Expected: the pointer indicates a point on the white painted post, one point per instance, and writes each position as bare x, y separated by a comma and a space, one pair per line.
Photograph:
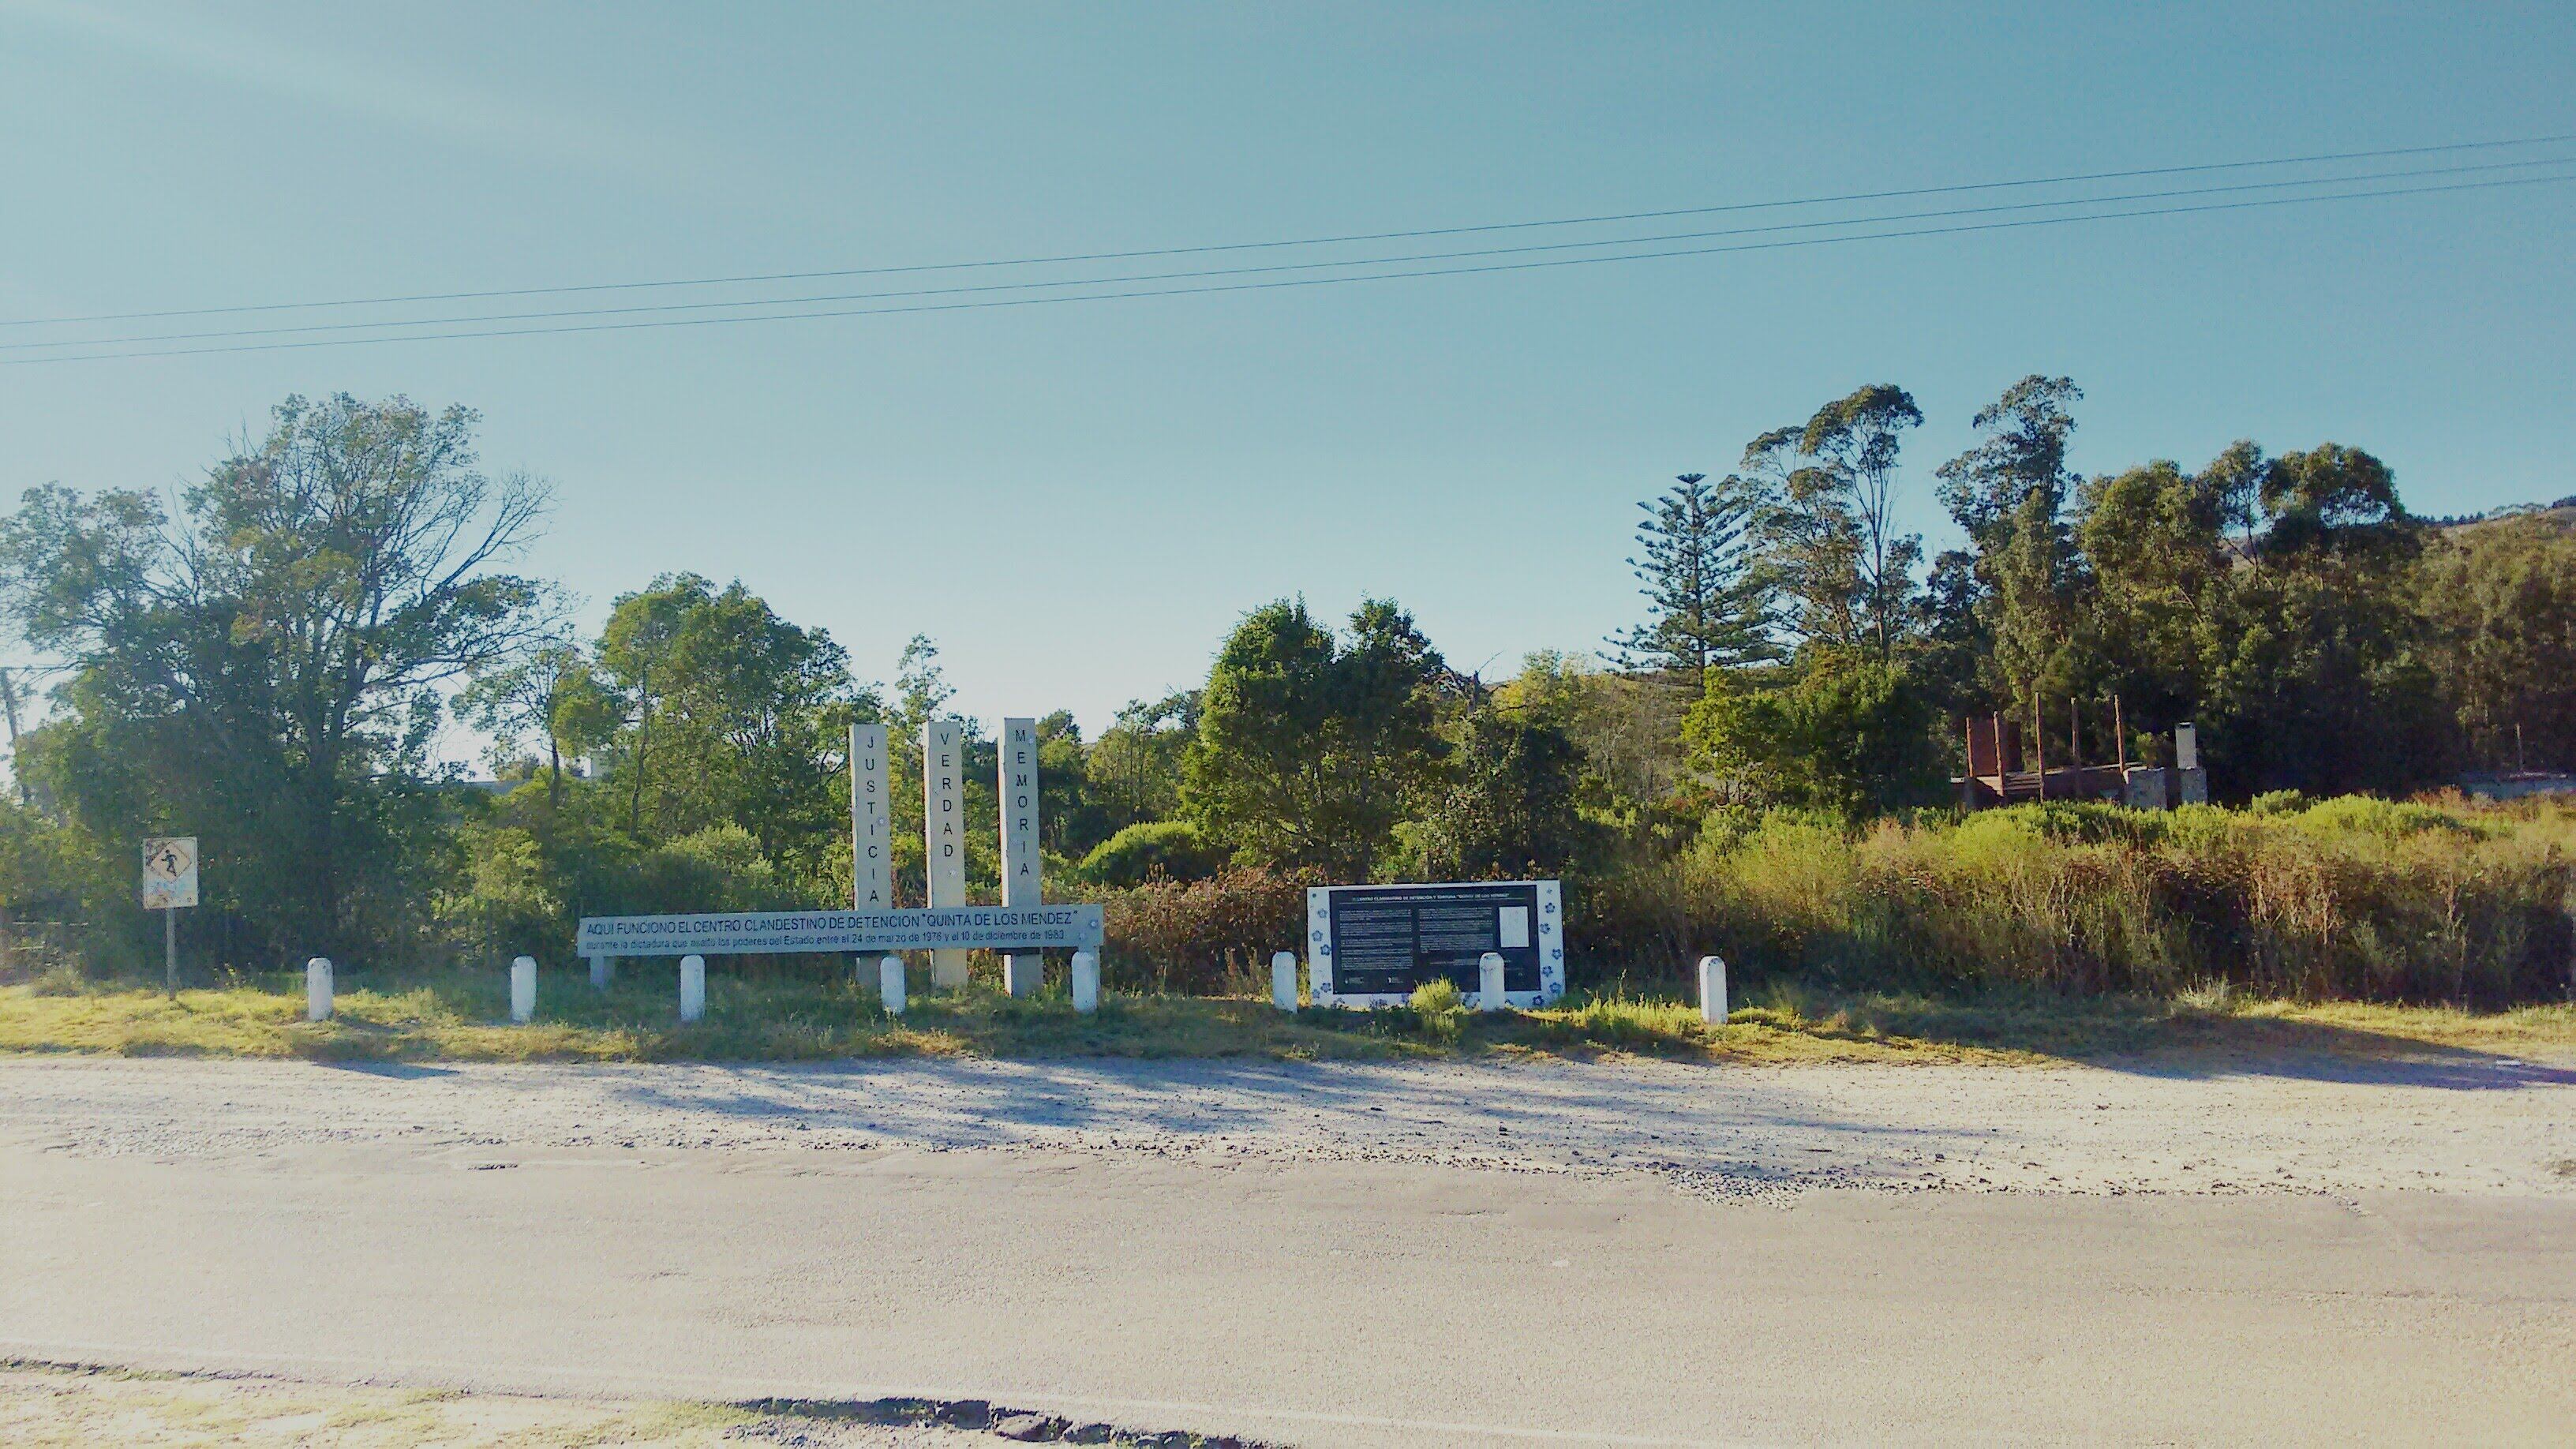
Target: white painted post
1712, 990
1283, 980
317, 989
1017, 790
523, 989
943, 832
1489, 981
601, 967
693, 987
890, 984
1086, 981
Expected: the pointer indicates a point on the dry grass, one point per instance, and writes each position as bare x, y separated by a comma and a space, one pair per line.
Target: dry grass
462, 1016
44, 1405
2351, 899
56, 1406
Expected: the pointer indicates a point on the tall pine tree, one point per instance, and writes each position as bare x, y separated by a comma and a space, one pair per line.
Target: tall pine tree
1708, 598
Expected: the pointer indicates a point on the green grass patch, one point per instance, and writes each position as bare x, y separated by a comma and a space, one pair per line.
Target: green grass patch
463, 1016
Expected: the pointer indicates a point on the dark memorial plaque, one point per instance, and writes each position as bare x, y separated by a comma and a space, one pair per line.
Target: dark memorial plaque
1375, 944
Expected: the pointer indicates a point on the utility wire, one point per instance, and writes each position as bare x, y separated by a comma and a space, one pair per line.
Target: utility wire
1272, 268
748, 278
1279, 283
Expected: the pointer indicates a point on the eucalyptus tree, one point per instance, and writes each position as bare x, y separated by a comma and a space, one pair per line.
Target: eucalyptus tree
1829, 536
1851, 447
2026, 578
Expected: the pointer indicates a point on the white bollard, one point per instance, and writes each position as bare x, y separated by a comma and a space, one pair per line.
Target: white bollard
1283, 980
1086, 981
1022, 972
523, 989
890, 984
1712, 990
1489, 982
693, 987
601, 968
317, 989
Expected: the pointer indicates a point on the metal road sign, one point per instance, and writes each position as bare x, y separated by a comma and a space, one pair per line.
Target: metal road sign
169, 872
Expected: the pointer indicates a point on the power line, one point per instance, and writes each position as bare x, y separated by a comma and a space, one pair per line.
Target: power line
2318, 158
1342, 263
1280, 283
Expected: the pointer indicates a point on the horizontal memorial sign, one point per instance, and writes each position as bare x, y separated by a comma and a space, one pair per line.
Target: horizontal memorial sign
751, 933
1371, 945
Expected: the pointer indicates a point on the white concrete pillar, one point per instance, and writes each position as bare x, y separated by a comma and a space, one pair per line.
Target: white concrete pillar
1017, 789
601, 969
943, 832
317, 989
890, 984
1283, 980
871, 843
1712, 990
523, 989
1489, 981
1086, 981
693, 987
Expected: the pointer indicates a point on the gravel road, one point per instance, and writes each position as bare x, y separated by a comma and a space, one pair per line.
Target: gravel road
2282, 1250
2453, 1123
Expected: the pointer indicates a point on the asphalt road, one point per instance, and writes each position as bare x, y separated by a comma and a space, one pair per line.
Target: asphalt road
1303, 1300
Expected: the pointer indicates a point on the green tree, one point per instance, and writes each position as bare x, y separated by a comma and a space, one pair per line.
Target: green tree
1853, 443
1070, 820
1310, 749
2025, 584
1708, 601
2320, 680
1848, 735
2165, 550
1511, 808
2501, 599
1135, 767
2270, 601
531, 695
743, 717
1628, 730
264, 669
1811, 544
633, 653
1830, 540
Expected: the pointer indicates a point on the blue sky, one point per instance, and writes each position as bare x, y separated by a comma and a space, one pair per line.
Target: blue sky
1077, 501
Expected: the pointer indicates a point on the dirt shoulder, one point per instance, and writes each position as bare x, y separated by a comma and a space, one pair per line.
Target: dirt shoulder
2279, 1122
75, 1405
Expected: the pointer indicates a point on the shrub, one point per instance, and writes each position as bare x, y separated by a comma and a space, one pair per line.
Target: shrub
1439, 1011
1171, 849
1203, 937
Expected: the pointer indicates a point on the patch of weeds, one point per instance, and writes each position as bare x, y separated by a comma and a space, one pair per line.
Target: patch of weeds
1439, 1011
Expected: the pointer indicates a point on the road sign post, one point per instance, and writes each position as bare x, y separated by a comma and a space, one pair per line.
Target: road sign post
169, 884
